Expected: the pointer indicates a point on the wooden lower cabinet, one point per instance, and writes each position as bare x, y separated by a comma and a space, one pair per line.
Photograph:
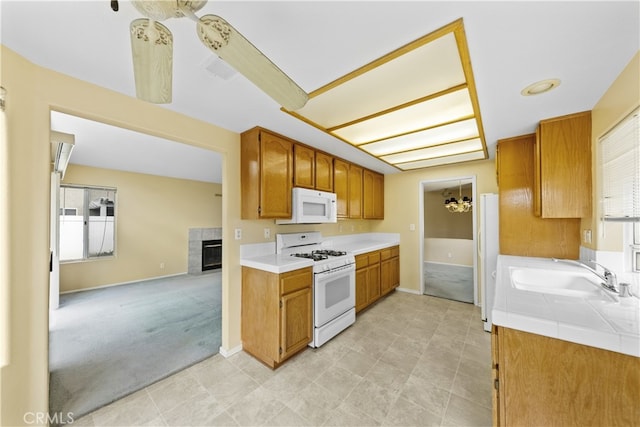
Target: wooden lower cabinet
377, 274
389, 269
540, 381
277, 313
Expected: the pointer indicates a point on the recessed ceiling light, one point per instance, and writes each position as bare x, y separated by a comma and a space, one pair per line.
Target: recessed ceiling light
540, 87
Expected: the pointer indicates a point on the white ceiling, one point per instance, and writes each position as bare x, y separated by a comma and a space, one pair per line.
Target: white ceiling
511, 44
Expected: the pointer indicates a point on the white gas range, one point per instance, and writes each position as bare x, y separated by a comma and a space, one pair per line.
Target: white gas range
334, 282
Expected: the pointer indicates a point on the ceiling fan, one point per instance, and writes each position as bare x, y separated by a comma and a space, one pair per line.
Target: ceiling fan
152, 49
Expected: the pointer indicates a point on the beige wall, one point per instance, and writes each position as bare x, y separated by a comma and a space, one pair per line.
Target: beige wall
402, 208
449, 251
622, 97
154, 215
31, 93
439, 222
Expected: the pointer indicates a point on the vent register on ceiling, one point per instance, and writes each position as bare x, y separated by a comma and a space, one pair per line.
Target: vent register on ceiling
415, 107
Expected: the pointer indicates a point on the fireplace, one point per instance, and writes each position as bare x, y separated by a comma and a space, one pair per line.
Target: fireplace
211, 254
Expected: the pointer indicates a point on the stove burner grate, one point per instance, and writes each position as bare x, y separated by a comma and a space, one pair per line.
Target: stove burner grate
312, 255
320, 254
329, 252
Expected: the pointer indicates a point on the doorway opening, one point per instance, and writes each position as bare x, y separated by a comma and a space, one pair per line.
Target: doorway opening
448, 240
121, 322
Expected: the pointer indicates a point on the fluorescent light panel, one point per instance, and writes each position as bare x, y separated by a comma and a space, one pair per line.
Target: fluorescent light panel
414, 107
439, 135
427, 69
433, 112
437, 151
464, 157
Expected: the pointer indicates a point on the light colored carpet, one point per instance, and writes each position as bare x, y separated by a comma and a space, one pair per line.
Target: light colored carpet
453, 282
107, 343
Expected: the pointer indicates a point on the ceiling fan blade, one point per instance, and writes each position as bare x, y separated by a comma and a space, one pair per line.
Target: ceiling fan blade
152, 49
219, 36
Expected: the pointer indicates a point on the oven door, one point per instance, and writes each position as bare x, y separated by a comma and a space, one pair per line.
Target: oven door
334, 293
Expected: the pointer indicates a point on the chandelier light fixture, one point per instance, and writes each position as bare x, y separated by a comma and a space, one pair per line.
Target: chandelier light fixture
460, 205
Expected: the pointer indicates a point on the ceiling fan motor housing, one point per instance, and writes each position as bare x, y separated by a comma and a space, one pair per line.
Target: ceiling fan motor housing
159, 10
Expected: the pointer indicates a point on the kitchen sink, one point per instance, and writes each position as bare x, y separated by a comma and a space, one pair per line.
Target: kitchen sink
571, 283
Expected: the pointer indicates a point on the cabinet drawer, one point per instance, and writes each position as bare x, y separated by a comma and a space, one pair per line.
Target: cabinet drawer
374, 257
295, 280
389, 253
362, 261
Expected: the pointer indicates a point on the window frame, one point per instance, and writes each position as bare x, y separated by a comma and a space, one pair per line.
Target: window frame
86, 215
613, 200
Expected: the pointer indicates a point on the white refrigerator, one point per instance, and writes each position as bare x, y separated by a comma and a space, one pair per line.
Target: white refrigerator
488, 248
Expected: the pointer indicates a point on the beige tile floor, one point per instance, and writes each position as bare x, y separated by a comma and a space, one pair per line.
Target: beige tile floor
410, 360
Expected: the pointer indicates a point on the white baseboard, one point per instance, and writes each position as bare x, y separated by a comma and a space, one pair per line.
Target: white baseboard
228, 353
409, 291
123, 283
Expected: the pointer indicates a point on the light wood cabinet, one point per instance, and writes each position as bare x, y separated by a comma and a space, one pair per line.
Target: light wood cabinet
377, 274
266, 174
373, 195
562, 173
304, 166
389, 269
367, 278
545, 381
277, 313
521, 232
355, 191
271, 165
341, 187
324, 172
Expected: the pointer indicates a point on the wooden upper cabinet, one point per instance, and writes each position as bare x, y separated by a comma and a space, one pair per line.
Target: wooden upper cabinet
521, 232
304, 163
324, 172
355, 191
373, 195
341, 187
562, 172
266, 173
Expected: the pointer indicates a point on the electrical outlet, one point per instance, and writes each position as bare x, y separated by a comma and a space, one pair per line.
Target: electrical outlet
586, 236
412, 227
267, 233
238, 233
161, 265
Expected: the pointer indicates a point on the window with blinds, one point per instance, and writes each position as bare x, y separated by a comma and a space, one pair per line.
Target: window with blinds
620, 166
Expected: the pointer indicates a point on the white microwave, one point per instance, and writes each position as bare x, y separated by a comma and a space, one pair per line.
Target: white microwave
311, 207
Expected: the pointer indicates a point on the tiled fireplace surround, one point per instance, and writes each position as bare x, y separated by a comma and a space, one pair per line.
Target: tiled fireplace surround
196, 236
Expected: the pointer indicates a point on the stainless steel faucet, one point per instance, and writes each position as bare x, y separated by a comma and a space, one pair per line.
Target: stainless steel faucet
609, 278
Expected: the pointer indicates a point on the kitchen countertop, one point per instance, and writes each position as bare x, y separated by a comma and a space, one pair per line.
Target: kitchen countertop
263, 257
613, 326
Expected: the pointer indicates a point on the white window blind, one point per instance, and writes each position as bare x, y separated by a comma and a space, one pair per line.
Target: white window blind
620, 166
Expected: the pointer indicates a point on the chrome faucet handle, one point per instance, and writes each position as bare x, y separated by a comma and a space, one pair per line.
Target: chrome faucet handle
610, 276
624, 290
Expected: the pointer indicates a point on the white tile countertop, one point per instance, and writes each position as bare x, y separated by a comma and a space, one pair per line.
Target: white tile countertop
610, 325
263, 255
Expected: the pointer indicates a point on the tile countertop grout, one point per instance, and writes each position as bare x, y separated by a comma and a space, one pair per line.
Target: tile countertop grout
262, 255
613, 326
